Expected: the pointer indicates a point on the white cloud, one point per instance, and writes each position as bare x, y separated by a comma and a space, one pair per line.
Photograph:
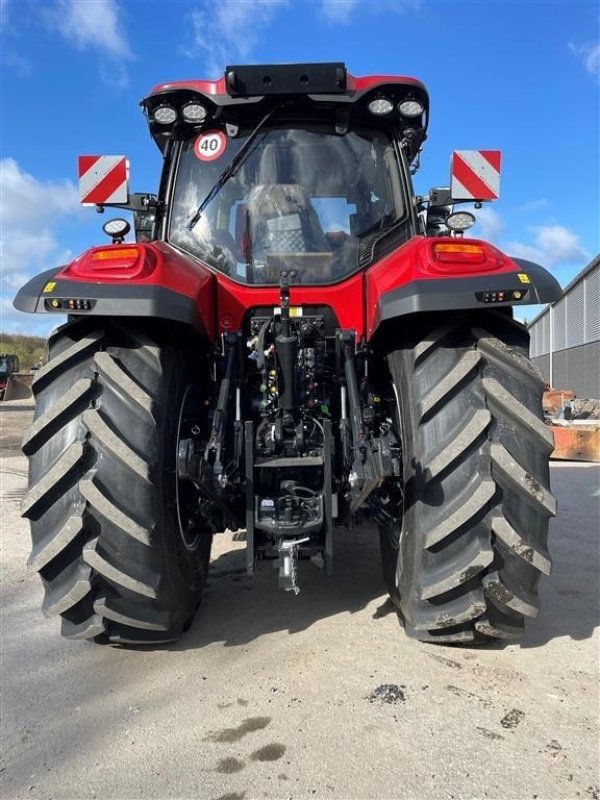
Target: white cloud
8, 55
521, 250
561, 244
25, 199
552, 245
92, 24
30, 210
589, 52
532, 205
21, 65
489, 224
20, 249
338, 11
85, 24
341, 11
394, 6
3, 13
224, 32
13, 321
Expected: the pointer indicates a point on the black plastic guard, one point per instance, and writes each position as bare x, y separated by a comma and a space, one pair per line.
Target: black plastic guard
106, 299
535, 283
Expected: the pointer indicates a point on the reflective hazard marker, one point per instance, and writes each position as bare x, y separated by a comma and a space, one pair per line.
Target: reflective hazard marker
102, 179
475, 174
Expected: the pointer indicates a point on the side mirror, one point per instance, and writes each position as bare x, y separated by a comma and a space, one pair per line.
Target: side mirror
439, 208
144, 224
144, 208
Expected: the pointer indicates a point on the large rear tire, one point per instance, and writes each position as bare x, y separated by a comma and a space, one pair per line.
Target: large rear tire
103, 493
464, 565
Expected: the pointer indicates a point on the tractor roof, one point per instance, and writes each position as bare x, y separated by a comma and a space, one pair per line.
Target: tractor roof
246, 92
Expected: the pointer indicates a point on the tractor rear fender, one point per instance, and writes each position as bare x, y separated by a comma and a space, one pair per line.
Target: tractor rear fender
127, 280
443, 274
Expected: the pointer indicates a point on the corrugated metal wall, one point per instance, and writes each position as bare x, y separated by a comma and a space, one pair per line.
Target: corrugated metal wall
565, 338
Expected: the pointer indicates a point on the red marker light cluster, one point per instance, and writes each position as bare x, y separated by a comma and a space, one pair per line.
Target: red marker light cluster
117, 258
464, 257
114, 262
451, 253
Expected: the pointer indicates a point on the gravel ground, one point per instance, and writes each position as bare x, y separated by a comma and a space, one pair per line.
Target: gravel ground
319, 696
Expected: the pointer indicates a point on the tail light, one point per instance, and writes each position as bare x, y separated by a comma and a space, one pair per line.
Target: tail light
456, 257
113, 263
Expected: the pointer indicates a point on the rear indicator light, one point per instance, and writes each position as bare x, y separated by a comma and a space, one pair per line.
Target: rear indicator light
463, 257
459, 252
113, 263
116, 259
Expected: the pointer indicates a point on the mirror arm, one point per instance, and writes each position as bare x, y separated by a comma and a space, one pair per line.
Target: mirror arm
137, 202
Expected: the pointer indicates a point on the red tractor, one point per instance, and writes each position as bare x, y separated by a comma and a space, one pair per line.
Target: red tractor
295, 342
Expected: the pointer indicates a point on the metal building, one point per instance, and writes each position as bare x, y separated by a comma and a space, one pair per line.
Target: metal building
565, 336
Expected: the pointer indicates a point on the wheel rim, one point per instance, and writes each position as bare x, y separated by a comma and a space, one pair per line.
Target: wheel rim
186, 493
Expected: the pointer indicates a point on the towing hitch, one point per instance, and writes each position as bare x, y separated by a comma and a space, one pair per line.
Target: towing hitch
287, 551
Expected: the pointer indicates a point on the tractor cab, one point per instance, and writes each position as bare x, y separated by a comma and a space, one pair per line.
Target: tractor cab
295, 167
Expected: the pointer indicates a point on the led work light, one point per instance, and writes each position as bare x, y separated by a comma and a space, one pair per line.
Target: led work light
380, 106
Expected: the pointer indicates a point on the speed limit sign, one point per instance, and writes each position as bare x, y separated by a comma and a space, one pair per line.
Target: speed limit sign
210, 145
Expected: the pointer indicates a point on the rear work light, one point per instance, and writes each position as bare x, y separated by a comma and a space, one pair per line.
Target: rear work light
164, 115
193, 112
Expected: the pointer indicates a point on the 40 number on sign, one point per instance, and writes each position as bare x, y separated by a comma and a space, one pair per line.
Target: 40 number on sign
210, 145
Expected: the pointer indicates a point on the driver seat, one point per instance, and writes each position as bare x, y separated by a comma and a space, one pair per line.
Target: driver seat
283, 220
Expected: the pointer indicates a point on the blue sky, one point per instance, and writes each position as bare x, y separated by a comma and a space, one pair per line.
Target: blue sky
522, 77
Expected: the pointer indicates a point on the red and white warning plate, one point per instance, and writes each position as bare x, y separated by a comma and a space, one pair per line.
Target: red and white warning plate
475, 174
102, 179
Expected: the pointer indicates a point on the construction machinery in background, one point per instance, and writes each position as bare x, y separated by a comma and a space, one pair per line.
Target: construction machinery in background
14, 385
295, 342
575, 425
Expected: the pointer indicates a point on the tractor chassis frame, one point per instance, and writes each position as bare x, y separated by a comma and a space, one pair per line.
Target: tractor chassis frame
357, 458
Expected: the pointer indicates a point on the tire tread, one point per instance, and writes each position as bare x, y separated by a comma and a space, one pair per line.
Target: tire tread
474, 442
95, 503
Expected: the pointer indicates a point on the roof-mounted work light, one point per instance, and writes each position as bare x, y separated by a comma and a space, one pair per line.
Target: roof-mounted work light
380, 106
193, 112
410, 108
164, 115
